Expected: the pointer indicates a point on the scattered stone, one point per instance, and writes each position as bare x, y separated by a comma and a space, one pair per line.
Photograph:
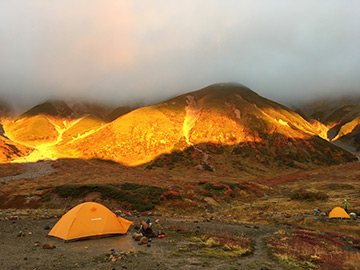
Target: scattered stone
12, 218
25, 259
148, 245
256, 227
211, 201
193, 261
37, 244
20, 234
48, 246
46, 227
287, 215
143, 240
137, 236
29, 233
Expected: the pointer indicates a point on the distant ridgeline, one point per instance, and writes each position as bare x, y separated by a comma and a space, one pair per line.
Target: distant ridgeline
221, 127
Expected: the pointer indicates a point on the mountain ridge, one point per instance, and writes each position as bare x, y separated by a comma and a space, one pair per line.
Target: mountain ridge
216, 125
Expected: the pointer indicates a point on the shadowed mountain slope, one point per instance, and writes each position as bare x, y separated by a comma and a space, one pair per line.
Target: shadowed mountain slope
51, 108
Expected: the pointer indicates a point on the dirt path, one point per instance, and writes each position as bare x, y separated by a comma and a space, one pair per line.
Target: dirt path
33, 170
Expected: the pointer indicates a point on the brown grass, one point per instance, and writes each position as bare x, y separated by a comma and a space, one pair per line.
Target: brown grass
309, 249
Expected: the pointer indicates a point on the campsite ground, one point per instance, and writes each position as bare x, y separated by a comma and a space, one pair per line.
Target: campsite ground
212, 221
176, 251
188, 245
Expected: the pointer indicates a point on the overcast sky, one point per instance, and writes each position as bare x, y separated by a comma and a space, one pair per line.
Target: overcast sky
119, 51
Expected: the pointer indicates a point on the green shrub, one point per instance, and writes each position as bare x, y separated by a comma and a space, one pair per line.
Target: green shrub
308, 196
68, 191
232, 186
141, 197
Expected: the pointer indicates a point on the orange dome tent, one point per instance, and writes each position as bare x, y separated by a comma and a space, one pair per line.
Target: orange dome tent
89, 219
338, 212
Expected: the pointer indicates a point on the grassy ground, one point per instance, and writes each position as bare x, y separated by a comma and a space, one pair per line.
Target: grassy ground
287, 200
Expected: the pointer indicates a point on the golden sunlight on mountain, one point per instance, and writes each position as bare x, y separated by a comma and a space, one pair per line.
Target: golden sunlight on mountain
43, 134
320, 129
222, 118
347, 128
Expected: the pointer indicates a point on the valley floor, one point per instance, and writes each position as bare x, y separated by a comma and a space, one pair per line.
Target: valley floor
27, 252
217, 222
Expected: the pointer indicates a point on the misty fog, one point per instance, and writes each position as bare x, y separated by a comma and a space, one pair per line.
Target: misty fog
137, 51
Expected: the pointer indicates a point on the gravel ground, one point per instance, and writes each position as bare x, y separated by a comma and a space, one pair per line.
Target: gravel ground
33, 170
21, 247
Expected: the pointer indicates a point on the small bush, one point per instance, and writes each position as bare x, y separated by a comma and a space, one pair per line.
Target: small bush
309, 196
141, 197
232, 186
66, 191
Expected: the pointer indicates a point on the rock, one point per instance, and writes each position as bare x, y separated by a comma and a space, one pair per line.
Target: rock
48, 246
46, 227
20, 234
143, 240
193, 261
137, 236
12, 218
211, 201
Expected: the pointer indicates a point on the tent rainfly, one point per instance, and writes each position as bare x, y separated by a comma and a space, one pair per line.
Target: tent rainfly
89, 219
338, 212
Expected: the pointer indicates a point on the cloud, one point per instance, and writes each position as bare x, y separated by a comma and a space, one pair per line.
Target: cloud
123, 51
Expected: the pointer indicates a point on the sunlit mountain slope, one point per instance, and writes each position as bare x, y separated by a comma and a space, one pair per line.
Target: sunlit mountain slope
32, 131
229, 117
340, 117
44, 133
10, 150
